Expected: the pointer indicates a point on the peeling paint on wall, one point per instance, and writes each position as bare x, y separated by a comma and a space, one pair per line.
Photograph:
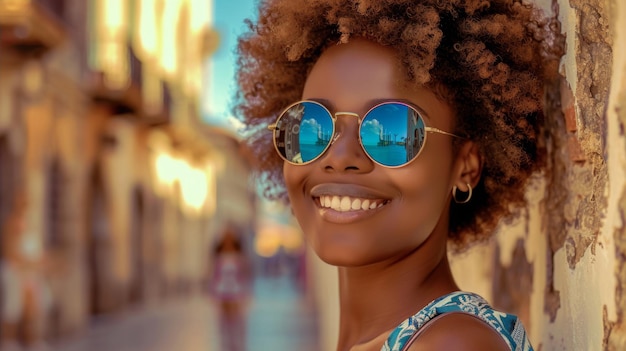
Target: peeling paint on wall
615, 332
514, 282
557, 192
587, 180
572, 254
578, 175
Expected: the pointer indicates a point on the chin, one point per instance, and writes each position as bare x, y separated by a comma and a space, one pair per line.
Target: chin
337, 261
341, 256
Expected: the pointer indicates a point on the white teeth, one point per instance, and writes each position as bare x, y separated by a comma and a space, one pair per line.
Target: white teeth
347, 203
326, 201
365, 204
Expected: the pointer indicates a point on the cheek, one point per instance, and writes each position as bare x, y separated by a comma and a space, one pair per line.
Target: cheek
427, 182
424, 189
291, 176
433, 168
295, 178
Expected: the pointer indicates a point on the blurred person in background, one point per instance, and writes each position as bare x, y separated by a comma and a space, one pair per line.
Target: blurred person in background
230, 287
25, 294
398, 129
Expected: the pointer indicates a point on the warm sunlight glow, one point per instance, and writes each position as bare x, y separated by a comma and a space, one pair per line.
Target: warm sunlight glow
111, 31
271, 237
194, 187
166, 168
168, 37
148, 31
292, 240
267, 242
169, 49
114, 16
197, 184
201, 15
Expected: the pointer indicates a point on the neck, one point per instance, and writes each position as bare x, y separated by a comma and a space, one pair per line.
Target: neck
375, 299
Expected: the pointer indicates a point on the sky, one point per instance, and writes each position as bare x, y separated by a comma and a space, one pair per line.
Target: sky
219, 79
219, 84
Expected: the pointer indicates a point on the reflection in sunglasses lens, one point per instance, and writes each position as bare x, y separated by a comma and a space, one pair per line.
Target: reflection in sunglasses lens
392, 134
307, 128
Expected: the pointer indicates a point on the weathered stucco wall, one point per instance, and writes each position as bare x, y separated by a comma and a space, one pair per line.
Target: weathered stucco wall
561, 265
615, 329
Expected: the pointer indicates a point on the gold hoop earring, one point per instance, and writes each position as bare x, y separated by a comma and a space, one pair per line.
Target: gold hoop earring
469, 195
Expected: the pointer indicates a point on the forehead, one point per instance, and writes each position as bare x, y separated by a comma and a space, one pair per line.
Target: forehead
356, 72
354, 76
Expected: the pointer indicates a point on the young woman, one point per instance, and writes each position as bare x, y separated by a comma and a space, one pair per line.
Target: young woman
230, 286
398, 129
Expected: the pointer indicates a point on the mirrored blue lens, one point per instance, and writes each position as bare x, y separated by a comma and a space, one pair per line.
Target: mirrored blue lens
303, 132
392, 134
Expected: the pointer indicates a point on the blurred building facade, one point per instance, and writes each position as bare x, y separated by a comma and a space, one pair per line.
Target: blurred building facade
109, 183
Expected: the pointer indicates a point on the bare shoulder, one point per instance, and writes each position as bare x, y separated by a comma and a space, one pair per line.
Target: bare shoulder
459, 332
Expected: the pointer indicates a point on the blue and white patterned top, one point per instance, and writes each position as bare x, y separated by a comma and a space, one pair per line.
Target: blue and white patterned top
507, 325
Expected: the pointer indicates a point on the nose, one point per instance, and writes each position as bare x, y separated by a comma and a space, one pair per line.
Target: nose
345, 154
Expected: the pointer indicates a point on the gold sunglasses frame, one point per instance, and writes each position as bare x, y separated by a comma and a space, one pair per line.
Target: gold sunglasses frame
273, 127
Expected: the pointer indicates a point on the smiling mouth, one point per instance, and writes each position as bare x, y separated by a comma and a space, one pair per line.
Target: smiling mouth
349, 203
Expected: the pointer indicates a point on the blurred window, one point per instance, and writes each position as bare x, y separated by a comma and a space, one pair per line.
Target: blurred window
6, 179
53, 205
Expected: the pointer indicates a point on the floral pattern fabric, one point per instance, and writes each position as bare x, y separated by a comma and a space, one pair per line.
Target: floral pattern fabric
507, 325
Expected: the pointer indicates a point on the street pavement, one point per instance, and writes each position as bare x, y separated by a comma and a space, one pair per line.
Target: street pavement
280, 319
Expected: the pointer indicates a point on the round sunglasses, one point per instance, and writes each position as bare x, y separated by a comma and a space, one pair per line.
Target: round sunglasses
392, 134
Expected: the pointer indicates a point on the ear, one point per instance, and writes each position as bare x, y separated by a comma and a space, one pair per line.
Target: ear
468, 166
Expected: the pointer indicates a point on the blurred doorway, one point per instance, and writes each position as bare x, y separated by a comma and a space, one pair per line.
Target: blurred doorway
97, 242
8, 176
137, 247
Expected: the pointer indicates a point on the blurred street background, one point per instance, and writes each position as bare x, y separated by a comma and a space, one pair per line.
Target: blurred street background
129, 220
121, 174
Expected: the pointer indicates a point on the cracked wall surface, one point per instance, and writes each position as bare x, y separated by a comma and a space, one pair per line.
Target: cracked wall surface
561, 266
615, 329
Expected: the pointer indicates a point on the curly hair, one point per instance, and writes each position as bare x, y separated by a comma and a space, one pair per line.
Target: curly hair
488, 59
